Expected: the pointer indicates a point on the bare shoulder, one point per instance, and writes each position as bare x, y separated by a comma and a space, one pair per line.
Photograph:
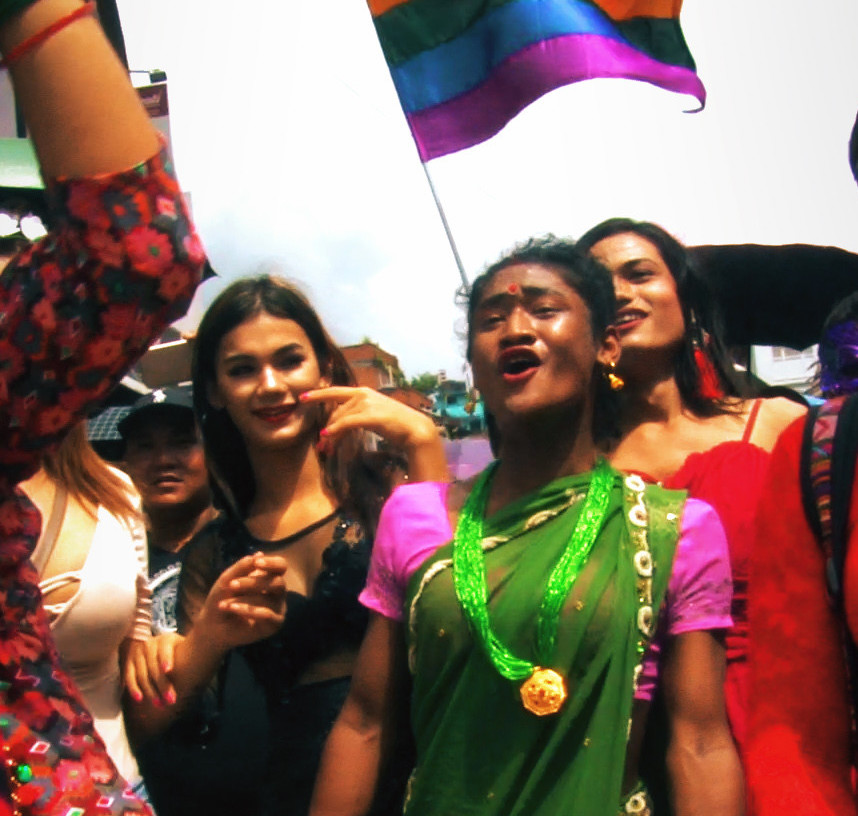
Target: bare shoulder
776, 414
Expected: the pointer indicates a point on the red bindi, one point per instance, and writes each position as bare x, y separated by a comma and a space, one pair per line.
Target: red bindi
513, 288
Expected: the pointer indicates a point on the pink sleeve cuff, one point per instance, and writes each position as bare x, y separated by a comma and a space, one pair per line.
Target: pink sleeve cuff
413, 524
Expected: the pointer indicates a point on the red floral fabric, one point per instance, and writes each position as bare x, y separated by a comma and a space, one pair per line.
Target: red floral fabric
76, 310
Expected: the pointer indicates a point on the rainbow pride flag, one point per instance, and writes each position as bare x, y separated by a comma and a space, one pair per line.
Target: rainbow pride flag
464, 68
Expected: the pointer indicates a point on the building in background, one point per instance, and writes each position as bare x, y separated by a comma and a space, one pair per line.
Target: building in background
784, 366
458, 408
373, 366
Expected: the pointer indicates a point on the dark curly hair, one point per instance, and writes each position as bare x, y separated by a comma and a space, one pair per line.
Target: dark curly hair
593, 284
700, 313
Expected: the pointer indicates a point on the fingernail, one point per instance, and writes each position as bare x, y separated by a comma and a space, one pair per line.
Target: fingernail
170, 697
303, 397
136, 696
324, 432
165, 666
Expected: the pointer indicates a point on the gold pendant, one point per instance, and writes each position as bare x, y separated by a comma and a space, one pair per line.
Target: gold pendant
544, 692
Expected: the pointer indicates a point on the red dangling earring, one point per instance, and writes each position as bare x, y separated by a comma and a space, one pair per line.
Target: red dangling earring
708, 381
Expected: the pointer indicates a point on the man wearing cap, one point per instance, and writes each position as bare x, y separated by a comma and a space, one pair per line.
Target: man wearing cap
204, 762
164, 458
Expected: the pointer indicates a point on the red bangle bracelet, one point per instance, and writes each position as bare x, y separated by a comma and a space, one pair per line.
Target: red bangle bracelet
29, 44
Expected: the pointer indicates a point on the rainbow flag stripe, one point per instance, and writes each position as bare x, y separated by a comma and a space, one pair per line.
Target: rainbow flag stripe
464, 68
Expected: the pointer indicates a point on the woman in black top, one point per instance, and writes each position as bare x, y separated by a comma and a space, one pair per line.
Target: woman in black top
279, 573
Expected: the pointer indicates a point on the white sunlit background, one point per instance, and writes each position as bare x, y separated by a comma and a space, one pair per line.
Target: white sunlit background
288, 135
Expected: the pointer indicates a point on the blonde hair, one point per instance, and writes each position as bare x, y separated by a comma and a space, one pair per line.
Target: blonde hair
87, 477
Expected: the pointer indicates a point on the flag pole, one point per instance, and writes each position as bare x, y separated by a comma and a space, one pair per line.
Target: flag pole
465, 285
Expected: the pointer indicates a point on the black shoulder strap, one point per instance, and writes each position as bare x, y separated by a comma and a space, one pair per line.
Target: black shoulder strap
808, 494
843, 456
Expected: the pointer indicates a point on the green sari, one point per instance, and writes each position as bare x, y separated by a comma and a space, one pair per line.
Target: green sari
478, 750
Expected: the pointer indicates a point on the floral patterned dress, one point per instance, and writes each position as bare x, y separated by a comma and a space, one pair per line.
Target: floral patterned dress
76, 310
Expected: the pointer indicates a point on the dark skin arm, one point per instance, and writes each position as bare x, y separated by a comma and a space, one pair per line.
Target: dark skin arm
702, 761
360, 742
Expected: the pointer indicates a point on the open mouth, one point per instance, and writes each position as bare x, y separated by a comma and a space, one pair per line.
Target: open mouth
518, 364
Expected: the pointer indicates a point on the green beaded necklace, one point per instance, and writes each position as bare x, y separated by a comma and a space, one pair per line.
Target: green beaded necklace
544, 690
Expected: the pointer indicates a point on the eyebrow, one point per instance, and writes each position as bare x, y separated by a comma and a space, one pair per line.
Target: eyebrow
633, 262
290, 347
529, 292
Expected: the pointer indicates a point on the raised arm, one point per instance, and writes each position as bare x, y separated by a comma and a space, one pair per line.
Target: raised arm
121, 261
75, 312
406, 428
82, 113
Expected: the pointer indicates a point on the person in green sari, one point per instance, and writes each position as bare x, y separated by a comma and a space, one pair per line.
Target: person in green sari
534, 640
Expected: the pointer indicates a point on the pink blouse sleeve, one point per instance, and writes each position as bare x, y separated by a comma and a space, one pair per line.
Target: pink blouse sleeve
413, 524
700, 589
701, 586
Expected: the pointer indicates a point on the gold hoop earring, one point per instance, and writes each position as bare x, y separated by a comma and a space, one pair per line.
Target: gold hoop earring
616, 382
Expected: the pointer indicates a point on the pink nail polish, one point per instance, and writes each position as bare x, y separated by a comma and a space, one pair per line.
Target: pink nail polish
324, 432
171, 697
136, 696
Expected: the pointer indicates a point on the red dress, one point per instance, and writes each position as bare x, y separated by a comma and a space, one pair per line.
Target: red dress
799, 757
730, 477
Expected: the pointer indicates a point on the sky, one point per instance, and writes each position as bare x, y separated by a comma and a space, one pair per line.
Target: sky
288, 136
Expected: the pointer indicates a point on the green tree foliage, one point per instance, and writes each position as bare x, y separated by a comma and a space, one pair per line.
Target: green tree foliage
425, 383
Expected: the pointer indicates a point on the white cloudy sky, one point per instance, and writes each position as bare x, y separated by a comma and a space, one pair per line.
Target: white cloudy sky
288, 135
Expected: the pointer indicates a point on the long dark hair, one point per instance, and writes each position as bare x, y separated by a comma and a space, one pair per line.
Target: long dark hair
700, 313
347, 470
593, 284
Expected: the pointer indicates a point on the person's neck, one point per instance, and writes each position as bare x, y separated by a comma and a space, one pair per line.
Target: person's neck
288, 478
655, 399
170, 529
539, 452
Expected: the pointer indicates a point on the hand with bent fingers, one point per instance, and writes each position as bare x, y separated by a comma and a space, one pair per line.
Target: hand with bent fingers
359, 408
247, 603
148, 665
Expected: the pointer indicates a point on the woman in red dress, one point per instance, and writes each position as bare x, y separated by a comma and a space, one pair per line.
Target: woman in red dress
684, 420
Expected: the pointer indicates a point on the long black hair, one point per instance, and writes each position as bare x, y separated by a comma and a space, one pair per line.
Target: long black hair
347, 470
703, 321
593, 284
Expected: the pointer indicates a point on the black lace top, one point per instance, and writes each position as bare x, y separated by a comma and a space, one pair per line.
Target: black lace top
317, 625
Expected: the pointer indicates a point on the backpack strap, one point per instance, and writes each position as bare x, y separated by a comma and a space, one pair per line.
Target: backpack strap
829, 448
843, 456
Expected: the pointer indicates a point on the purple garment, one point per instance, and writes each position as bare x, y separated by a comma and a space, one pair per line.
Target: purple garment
414, 523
